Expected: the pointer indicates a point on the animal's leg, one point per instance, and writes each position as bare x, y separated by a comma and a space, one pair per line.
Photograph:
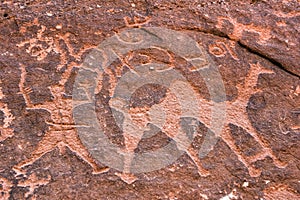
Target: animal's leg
47, 144
75, 145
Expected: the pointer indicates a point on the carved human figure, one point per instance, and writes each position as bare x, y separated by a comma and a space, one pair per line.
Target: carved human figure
61, 132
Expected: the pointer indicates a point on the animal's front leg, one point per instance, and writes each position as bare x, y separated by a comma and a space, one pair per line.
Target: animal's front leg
75, 145
132, 134
47, 144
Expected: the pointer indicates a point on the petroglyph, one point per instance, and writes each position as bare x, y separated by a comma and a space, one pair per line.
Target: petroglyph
135, 120
5, 130
71, 52
237, 115
136, 22
40, 46
220, 49
239, 28
61, 132
32, 183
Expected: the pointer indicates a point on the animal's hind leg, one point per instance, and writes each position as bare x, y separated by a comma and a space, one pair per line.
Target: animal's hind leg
193, 154
230, 142
47, 144
75, 145
266, 151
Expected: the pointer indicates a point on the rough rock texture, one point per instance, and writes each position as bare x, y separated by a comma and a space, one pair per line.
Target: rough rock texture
255, 45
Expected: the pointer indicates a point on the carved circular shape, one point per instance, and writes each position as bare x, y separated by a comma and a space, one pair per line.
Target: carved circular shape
100, 59
217, 50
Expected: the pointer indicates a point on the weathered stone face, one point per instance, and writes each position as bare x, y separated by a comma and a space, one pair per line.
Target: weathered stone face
252, 45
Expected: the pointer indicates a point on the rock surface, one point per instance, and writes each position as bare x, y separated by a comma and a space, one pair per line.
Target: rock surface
253, 44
